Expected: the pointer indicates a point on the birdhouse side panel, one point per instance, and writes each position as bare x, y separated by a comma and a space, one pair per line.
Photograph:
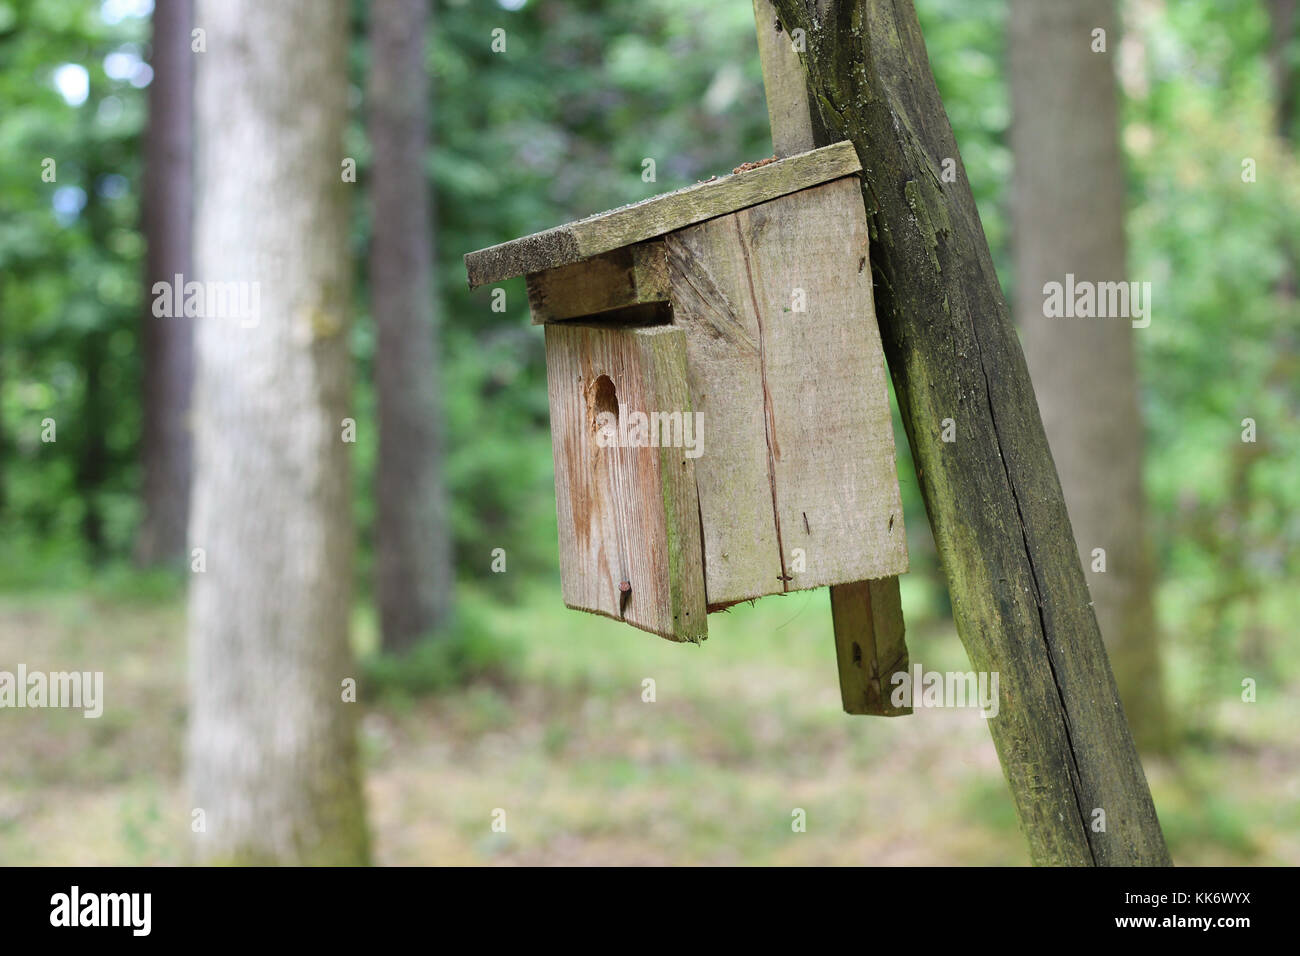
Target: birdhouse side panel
798, 483
626, 505
838, 506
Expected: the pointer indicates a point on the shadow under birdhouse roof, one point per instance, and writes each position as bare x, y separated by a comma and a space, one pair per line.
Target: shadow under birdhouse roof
659, 215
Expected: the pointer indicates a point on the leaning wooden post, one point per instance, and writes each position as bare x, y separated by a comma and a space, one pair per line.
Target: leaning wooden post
1020, 600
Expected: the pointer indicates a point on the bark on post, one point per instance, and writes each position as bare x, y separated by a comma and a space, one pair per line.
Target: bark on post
1019, 597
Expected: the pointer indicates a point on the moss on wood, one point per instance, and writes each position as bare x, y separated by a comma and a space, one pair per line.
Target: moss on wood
1019, 596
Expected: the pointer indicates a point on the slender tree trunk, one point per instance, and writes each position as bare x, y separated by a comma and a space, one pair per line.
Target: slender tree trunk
1068, 216
272, 749
412, 538
167, 343
1284, 18
92, 447
1019, 596
91, 443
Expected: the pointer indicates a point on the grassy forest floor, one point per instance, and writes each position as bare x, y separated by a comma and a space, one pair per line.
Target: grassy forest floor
744, 730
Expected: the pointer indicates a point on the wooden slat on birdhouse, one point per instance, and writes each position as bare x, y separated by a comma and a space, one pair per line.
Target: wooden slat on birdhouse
869, 645
798, 487
629, 520
633, 277
656, 216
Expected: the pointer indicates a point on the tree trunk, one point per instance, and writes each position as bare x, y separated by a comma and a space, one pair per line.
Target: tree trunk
412, 537
92, 446
272, 749
1068, 217
167, 344
1283, 19
1019, 597
93, 464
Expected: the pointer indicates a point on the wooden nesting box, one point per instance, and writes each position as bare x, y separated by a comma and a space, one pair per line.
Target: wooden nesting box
736, 314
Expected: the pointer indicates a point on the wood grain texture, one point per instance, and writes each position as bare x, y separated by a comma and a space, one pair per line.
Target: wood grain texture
626, 514
798, 487
869, 645
658, 215
742, 556
629, 276
830, 434
1020, 600
795, 125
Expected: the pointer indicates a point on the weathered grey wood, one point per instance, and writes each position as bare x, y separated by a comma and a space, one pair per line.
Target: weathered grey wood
628, 276
658, 215
1019, 596
798, 483
742, 558
869, 645
629, 525
829, 431
795, 126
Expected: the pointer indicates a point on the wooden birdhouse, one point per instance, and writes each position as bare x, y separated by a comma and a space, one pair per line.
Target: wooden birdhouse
719, 411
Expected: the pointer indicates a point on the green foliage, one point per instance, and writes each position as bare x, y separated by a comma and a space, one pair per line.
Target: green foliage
558, 126
70, 263
965, 41
470, 651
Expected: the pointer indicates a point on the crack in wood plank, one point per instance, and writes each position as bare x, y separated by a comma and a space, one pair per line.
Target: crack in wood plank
689, 270
769, 420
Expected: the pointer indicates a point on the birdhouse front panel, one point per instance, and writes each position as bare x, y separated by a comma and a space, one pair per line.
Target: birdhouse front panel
625, 486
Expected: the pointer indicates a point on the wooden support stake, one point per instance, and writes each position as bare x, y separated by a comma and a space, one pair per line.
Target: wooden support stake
796, 128
869, 645
1019, 597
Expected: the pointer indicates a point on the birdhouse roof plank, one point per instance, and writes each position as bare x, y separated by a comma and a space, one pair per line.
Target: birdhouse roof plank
660, 215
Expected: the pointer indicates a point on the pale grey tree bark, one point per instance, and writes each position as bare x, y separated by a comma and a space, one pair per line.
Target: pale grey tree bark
167, 343
1068, 217
272, 750
414, 575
